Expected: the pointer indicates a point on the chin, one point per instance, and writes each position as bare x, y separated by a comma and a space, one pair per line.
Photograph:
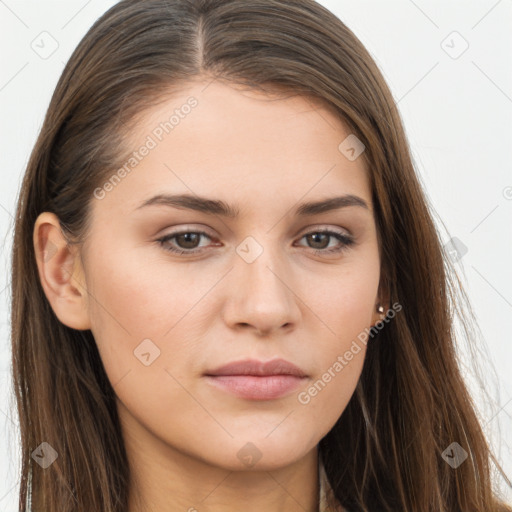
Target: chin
258, 451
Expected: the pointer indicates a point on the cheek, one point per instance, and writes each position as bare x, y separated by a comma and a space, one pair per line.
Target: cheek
145, 294
125, 309
345, 306
146, 312
327, 396
341, 360
130, 295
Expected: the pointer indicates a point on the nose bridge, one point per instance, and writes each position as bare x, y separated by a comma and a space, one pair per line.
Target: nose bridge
262, 295
259, 267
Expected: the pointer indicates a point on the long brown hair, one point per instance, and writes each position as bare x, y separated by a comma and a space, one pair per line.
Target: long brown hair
411, 403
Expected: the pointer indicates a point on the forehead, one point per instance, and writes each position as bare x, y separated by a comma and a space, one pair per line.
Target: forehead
218, 139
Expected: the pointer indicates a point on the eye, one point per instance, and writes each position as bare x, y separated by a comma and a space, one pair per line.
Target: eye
187, 241
320, 237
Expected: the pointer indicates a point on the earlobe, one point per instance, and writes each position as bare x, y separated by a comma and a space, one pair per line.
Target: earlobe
379, 314
60, 273
382, 304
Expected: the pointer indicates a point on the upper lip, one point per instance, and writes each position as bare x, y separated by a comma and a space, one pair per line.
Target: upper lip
255, 367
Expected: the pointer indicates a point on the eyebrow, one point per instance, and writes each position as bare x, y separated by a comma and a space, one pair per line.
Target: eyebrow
218, 207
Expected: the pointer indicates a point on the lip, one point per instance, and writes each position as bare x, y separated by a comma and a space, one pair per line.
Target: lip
257, 380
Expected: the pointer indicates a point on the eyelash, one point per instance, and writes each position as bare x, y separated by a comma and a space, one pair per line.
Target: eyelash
346, 241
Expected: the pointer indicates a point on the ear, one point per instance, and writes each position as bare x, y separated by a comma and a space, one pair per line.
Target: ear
61, 273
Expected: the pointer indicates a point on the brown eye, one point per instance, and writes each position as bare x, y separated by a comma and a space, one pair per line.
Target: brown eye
187, 242
320, 240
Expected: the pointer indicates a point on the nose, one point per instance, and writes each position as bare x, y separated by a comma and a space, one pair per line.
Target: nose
263, 297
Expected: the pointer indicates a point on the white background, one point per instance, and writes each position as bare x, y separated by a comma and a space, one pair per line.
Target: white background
458, 117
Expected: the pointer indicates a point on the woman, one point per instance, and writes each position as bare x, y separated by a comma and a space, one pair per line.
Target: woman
301, 357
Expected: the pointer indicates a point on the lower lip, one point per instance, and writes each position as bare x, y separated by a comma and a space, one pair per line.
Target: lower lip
253, 387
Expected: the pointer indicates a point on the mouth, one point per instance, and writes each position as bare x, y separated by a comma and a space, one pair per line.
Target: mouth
257, 380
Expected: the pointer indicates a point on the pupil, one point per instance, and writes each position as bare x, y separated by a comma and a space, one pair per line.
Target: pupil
316, 235
187, 237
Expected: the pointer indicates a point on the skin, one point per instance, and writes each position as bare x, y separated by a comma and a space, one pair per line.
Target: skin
183, 436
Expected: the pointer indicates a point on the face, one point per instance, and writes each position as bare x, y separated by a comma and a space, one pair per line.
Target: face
177, 288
